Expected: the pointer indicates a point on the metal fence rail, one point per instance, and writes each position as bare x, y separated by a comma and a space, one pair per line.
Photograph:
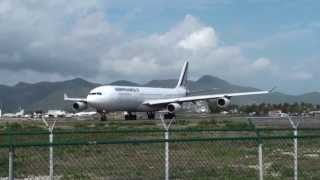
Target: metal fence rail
244, 153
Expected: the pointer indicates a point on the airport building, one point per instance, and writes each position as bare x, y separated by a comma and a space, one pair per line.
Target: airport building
276, 113
315, 113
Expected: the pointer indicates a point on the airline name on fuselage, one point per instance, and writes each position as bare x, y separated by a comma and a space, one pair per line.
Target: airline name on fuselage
127, 89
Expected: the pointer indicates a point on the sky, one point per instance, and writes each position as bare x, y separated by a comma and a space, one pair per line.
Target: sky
257, 43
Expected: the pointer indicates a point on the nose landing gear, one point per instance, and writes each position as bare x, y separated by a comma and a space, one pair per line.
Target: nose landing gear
103, 117
103, 114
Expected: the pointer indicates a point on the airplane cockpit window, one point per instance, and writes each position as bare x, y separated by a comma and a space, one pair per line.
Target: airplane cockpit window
95, 93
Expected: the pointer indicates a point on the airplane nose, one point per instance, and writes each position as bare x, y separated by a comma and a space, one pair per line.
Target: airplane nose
91, 100
95, 101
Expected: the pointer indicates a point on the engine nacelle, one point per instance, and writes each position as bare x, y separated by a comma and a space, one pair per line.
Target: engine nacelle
173, 107
223, 102
79, 106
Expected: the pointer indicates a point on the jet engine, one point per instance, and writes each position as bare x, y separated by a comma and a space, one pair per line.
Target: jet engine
79, 106
223, 102
172, 107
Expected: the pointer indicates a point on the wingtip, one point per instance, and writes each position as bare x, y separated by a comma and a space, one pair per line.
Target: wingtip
273, 89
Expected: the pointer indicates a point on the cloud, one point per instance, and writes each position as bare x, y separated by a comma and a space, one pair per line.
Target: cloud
261, 64
29, 76
79, 41
204, 38
300, 75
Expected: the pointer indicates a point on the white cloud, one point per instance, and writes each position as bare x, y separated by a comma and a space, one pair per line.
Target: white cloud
80, 41
5, 7
300, 75
204, 38
261, 64
12, 77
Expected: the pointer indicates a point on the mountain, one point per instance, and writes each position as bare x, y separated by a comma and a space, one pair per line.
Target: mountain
49, 95
169, 83
313, 97
124, 83
42, 95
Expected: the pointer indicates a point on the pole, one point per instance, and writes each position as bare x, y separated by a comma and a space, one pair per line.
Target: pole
166, 137
50, 129
295, 142
11, 159
260, 162
11, 155
295, 146
51, 156
167, 150
260, 152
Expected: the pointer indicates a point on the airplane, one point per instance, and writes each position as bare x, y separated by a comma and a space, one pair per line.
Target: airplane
109, 98
14, 115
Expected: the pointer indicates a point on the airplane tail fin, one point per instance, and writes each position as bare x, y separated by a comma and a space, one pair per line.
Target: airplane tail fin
183, 76
65, 97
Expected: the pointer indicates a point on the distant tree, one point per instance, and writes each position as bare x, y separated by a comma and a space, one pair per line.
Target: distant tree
285, 108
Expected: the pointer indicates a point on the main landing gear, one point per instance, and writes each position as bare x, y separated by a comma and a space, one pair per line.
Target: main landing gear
169, 115
151, 115
130, 116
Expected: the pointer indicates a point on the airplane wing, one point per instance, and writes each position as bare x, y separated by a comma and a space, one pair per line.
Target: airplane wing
201, 97
66, 98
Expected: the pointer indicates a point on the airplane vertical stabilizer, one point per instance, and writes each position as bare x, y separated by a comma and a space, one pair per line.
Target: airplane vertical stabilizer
183, 76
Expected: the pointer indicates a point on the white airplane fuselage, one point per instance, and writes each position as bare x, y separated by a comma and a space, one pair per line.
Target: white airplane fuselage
128, 98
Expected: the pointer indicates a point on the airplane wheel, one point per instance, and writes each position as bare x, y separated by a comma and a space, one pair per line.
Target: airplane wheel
169, 116
103, 114
130, 117
151, 115
103, 118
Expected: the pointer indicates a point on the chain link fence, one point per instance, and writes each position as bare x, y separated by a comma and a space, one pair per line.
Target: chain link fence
237, 153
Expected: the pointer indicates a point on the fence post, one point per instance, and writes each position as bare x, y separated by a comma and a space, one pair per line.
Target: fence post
11, 160
295, 146
50, 129
11, 155
51, 156
260, 154
260, 151
166, 137
295, 143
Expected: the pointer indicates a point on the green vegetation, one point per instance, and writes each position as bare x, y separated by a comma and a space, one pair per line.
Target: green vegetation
263, 108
